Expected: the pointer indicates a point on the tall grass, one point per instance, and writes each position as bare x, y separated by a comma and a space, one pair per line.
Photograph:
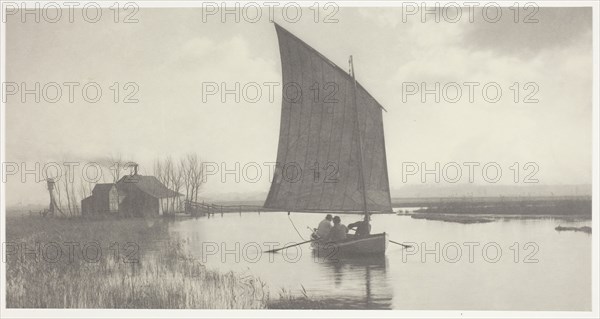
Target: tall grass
168, 279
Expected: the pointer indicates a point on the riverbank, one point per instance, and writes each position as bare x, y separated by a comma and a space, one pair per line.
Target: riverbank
483, 218
117, 263
575, 208
461, 219
584, 229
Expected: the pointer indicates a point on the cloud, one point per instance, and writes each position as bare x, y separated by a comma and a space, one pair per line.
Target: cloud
555, 28
170, 53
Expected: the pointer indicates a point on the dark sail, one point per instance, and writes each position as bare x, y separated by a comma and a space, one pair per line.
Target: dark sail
318, 152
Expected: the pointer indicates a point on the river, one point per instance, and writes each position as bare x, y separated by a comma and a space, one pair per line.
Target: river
508, 264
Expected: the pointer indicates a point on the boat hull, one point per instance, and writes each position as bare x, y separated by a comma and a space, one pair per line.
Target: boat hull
375, 244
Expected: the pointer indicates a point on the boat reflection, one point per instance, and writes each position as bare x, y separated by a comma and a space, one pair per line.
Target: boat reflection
359, 282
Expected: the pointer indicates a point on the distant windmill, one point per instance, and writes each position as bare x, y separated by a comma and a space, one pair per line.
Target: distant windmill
53, 206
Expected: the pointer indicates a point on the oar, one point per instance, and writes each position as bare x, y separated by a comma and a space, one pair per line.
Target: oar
397, 243
294, 245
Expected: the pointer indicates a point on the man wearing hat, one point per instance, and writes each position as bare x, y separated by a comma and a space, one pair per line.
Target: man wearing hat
325, 227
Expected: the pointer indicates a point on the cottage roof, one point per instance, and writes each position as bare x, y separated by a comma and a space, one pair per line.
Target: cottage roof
147, 184
102, 189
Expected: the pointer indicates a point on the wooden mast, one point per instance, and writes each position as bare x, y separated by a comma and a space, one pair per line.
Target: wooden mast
361, 176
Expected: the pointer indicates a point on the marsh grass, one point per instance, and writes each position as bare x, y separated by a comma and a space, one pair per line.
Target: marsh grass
166, 278
288, 300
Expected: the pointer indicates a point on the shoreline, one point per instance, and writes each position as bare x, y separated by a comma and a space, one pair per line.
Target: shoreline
487, 218
122, 278
583, 229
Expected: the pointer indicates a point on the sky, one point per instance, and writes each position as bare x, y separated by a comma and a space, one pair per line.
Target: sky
171, 54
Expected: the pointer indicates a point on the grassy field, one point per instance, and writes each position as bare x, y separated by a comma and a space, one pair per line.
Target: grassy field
146, 271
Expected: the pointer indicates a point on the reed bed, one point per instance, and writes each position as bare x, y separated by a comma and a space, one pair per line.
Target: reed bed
165, 278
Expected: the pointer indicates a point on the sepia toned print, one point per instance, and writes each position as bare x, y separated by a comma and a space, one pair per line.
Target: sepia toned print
301, 156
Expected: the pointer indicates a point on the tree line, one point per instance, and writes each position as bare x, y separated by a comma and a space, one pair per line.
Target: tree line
183, 175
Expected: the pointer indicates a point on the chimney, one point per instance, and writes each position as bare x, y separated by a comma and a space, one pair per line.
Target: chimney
50, 183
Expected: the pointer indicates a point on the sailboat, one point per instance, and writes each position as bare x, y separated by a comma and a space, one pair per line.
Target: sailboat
331, 153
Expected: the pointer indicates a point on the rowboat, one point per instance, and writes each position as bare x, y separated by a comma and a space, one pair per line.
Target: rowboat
374, 244
331, 152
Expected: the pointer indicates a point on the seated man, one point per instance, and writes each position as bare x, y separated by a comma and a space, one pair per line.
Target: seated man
324, 227
363, 228
338, 231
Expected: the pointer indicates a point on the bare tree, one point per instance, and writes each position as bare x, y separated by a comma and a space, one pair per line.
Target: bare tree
186, 173
85, 190
65, 184
164, 171
116, 165
158, 170
195, 174
186, 177
177, 177
168, 170
75, 204
68, 189
159, 173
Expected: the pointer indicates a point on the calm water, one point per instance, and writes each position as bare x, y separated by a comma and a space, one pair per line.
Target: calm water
557, 275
